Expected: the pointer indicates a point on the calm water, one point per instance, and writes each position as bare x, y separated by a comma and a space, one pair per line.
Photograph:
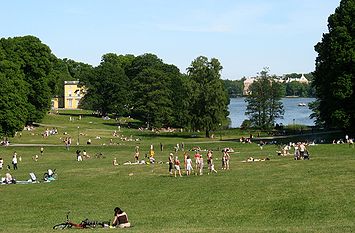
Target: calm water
301, 115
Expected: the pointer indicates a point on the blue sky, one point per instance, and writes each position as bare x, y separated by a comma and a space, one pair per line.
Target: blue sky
245, 35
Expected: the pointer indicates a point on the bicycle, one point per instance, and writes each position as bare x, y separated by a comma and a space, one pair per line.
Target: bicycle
47, 177
84, 224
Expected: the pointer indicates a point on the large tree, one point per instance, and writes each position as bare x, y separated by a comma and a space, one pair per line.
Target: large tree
107, 87
264, 104
209, 99
13, 101
25, 70
153, 91
334, 76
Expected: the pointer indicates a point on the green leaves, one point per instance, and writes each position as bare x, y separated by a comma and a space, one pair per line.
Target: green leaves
209, 101
264, 104
27, 84
334, 75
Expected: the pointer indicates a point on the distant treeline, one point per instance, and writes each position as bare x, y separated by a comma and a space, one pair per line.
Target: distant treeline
143, 87
294, 88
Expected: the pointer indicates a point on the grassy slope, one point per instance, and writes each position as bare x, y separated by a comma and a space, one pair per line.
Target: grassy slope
281, 195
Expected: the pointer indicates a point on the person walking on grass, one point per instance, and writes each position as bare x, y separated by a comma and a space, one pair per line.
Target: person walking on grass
79, 158
177, 166
185, 162
188, 165
171, 163
14, 161
200, 169
210, 162
197, 160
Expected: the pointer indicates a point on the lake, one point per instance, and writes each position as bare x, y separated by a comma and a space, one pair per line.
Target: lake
300, 114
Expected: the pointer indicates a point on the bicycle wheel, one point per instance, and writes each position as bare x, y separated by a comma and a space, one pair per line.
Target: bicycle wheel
61, 226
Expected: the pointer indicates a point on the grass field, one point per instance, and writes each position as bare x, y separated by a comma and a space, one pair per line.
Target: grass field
280, 195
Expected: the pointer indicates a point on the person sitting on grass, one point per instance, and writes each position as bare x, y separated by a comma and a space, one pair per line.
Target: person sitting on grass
8, 179
121, 219
114, 162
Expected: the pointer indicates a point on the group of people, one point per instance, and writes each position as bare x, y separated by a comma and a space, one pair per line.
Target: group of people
348, 140
49, 132
5, 142
9, 179
300, 150
175, 164
80, 155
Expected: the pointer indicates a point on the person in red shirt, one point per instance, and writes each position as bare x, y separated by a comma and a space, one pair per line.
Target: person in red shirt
177, 166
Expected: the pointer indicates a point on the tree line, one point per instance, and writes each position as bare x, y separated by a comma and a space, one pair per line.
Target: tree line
143, 87
159, 95
293, 88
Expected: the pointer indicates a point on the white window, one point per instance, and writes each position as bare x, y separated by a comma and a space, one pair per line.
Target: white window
70, 103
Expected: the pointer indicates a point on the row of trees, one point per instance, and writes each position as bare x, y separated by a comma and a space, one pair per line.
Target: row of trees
159, 95
294, 88
140, 86
26, 82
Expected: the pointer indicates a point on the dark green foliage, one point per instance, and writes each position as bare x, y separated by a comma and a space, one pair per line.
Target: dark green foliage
182, 94
297, 89
264, 104
335, 70
234, 87
27, 83
152, 98
107, 87
246, 124
154, 84
13, 101
209, 100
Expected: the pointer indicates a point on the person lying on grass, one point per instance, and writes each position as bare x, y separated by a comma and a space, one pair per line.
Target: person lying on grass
251, 159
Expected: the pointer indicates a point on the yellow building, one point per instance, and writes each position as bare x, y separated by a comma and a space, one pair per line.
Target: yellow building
72, 94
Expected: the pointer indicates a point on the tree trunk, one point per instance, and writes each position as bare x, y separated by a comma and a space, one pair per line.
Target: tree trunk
207, 133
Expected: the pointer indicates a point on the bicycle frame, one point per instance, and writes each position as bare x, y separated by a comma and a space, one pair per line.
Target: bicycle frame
84, 224
69, 224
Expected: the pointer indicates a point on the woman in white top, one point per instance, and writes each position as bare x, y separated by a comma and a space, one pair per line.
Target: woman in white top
14, 161
188, 165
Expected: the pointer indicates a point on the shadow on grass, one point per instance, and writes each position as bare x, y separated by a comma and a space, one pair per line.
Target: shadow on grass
77, 114
170, 135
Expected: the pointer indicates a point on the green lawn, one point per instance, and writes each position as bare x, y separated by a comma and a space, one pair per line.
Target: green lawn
280, 195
